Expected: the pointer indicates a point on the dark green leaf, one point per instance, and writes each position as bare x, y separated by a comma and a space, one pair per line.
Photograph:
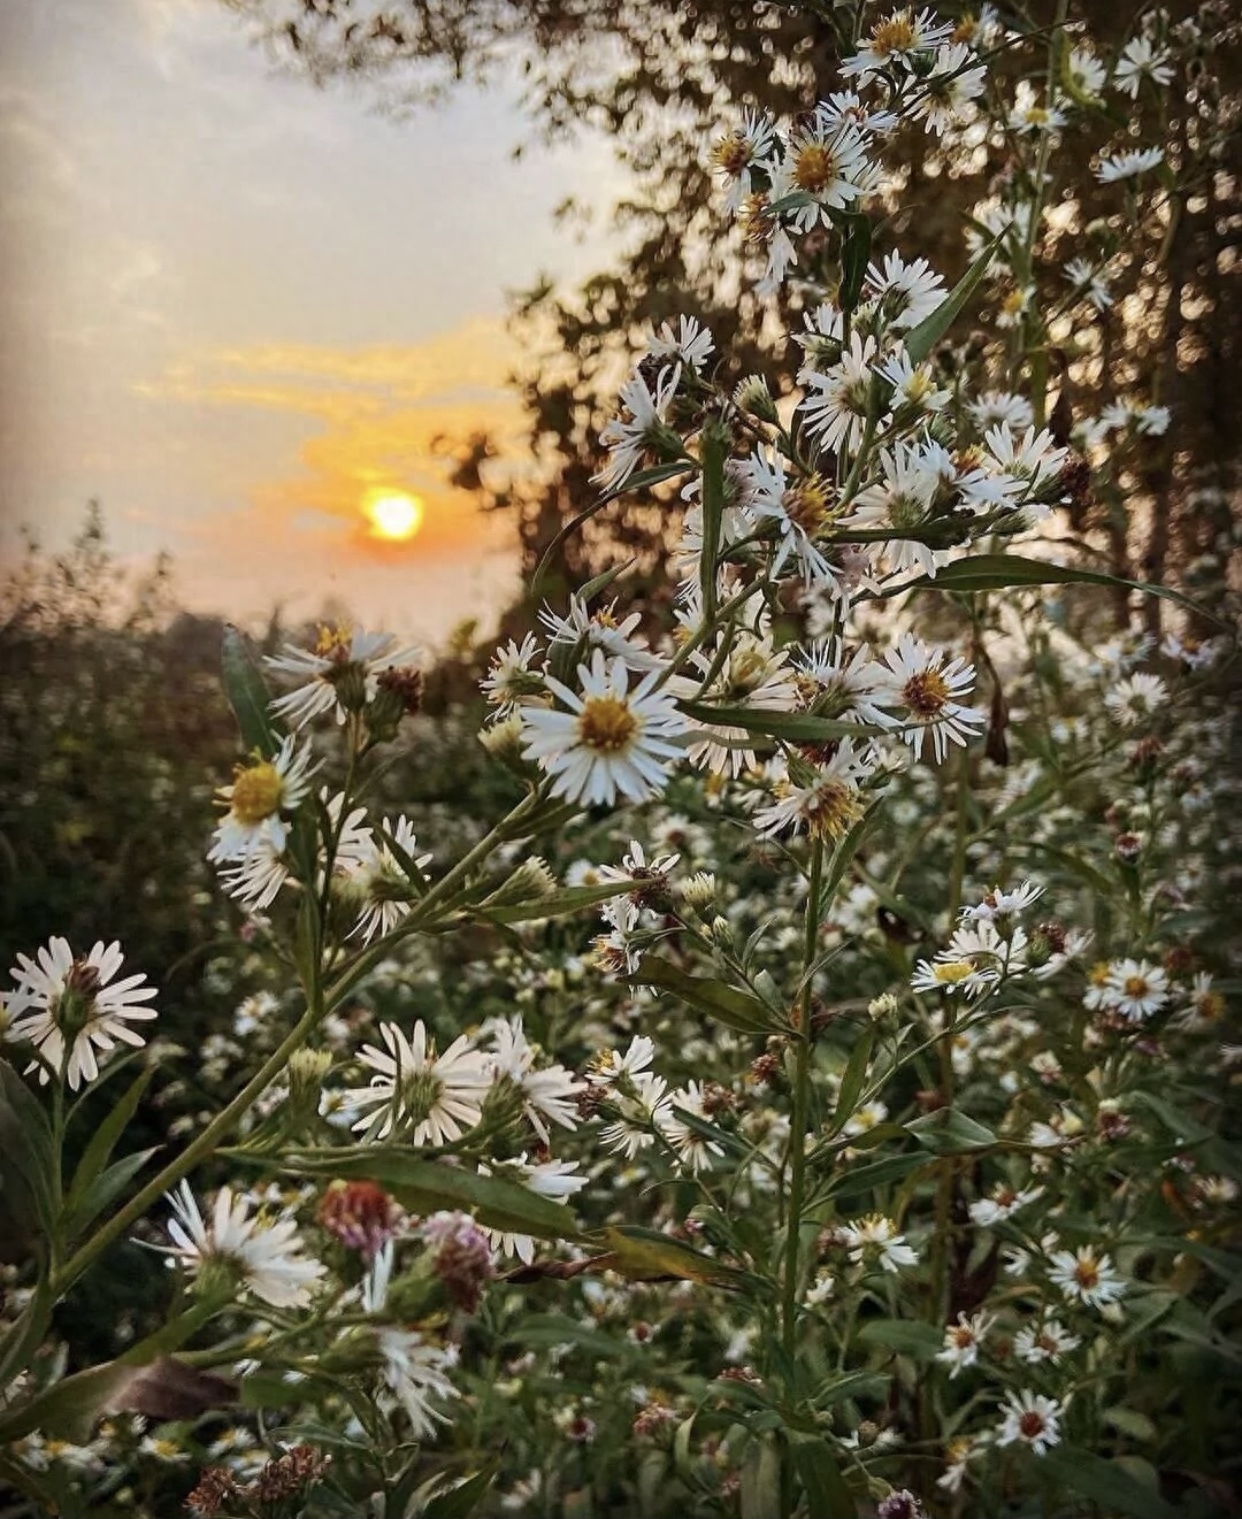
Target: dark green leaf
853, 1079
103, 1191
735, 1009
796, 727
646, 1255
759, 1493
248, 695
27, 1160
948, 1132
856, 1384
906, 1336
424, 1186
862, 1179
826, 1492
461, 1501
994, 572
855, 256
1106, 1483
920, 340
713, 517
99, 1151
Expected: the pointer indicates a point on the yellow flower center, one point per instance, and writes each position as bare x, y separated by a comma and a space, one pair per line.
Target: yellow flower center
606, 724
894, 35
816, 168
333, 643
806, 504
1013, 302
833, 810
757, 221
1135, 986
257, 792
1087, 1272
731, 153
1098, 974
926, 693
952, 971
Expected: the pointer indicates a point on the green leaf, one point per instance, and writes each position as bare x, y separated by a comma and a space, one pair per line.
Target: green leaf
826, 1492
559, 1329
27, 1160
461, 1501
852, 1081
856, 1384
103, 1191
948, 1132
646, 1254
99, 1151
425, 1186
796, 727
1106, 1483
906, 1336
862, 1179
994, 572
920, 340
1184, 1129
639, 481
713, 517
759, 1493
1130, 1422
726, 1004
556, 904
247, 694
855, 256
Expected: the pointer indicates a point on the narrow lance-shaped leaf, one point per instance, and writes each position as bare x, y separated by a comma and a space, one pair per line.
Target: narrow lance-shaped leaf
713, 515
994, 572
853, 1079
735, 1009
99, 1151
423, 1186
920, 340
797, 727
247, 694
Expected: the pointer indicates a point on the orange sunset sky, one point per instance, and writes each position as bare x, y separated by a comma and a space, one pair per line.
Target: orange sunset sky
237, 309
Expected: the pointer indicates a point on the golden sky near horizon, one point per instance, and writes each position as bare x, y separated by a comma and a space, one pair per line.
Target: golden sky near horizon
241, 311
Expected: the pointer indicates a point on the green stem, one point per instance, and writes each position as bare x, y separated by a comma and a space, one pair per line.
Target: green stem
198, 1149
798, 1121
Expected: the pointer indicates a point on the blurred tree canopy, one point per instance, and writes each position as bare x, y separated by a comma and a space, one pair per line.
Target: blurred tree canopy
663, 78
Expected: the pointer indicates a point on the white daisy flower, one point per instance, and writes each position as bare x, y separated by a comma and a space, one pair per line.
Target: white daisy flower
839, 406
800, 510
694, 1152
929, 686
610, 1067
1087, 75
1141, 59
611, 742
875, 1238
600, 629
1085, 1277
547, 1093
640, 426
914, 388
945, 974
906, 293
263, 794
736, 154
557, 1179
823, 163
340, 674
691, 344
896, 42
1137, 699
641, 1106
1029, 114
825, 807
414, 1371
1003, 1203
900, 501
510, 679
1090, 282
841, 687
1031, 1419
1136, 989
1035, 459
68, 1007
266, 1258
962, 1341
948, 88
1003, 904
1128, 165
1048, 1341
371, 870
428, 1099
746, 670
995, 407
257, 877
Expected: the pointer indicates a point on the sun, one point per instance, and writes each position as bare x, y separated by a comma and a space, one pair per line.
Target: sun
394, 515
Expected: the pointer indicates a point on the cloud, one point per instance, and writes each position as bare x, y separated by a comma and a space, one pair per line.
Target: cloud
381, 417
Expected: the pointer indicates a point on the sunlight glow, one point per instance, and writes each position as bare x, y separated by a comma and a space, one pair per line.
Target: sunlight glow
394, 515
